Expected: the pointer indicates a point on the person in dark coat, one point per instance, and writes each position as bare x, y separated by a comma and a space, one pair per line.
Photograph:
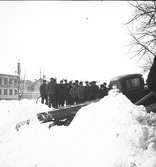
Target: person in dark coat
103, 91
74, 93
52, 93
60, 93
94, 90
87, 91
70, 97
43, 92
66, 92
81, 92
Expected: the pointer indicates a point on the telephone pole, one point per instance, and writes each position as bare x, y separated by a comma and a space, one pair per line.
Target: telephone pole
19, 79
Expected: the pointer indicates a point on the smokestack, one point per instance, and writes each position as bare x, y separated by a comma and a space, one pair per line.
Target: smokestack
18, 68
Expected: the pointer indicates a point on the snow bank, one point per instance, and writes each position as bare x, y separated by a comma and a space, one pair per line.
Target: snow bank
112, 132
14, 112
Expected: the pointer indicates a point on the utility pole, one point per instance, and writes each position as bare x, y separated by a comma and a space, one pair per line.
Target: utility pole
40, 76
19, 79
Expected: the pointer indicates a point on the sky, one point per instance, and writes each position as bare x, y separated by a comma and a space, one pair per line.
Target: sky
65, 39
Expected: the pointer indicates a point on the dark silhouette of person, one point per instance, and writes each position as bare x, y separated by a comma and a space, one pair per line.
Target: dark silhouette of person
86, 90
52, 93
103, 90
43, 92
94, 90
66, 92
81, 92
60, 93
74, 93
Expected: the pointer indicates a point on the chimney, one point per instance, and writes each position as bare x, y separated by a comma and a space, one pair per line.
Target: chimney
18, 68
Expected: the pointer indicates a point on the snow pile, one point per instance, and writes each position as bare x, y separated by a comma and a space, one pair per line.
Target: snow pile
126, 131
14, 112
112, 132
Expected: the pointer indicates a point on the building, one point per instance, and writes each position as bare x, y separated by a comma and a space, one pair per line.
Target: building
9, 87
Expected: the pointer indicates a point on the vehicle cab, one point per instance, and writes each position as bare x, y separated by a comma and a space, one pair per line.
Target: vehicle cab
131, 85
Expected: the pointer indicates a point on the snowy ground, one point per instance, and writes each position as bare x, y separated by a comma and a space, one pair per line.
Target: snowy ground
110, 133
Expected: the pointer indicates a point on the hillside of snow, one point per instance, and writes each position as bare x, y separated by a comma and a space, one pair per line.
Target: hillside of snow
112, 132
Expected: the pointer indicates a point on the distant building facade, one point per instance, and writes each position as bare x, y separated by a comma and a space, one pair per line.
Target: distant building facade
9, 87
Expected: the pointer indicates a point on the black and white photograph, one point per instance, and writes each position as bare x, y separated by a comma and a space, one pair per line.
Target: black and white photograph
77, 83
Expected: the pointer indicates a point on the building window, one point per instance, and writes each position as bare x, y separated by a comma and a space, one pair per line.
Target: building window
15, 91
15, 82
0, 91
10, 92
10, 81
5, 91
0, 81
5, 81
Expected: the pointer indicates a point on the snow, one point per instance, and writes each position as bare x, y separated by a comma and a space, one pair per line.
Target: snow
112, 132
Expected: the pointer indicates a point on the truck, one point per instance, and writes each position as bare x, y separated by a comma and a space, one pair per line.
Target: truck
134, 87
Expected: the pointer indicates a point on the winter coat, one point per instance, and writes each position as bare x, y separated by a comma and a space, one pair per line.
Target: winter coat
60, 90
81, 93
43, 89
74, 92
52, 88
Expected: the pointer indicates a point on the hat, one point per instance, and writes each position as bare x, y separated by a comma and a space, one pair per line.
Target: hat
93, 82
51, 78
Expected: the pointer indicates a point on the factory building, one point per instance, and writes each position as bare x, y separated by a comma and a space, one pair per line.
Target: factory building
9, 86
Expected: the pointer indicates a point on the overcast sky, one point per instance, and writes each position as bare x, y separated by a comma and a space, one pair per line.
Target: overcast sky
73, 40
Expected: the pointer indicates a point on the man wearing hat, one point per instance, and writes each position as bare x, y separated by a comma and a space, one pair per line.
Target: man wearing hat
43, 92
52, 93
87, 91
94, 90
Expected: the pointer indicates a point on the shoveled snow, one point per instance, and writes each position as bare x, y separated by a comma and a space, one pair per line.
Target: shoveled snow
112, 132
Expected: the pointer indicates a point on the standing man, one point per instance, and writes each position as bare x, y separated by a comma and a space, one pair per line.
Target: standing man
43, 92
87, 91
60, 93
52, 93
81, 92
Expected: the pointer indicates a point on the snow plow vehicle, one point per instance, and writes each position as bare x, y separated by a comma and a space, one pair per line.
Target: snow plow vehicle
131, 85
134, 87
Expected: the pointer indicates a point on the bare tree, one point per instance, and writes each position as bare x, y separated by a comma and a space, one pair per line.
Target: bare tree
143, 33
142, 28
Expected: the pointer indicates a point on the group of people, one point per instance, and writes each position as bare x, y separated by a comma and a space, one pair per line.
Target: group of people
56, 94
